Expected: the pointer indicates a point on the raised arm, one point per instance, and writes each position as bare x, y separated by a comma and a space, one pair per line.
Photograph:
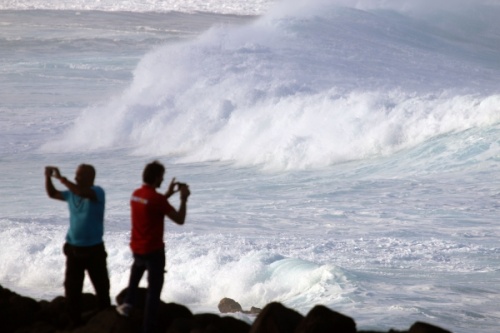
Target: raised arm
52, 192
179, 216
83, 190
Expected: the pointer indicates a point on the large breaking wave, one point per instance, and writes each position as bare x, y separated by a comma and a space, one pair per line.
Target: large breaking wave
308, 85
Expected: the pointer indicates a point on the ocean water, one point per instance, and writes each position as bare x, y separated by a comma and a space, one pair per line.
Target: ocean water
338, 153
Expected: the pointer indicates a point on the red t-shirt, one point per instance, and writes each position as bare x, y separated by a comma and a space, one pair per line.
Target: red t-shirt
148, 209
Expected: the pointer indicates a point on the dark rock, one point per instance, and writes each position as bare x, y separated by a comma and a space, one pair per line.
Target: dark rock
54, 312
323, 320
205, 323
181, 325
140, 297
276, 318
253, 311
228, 305
169, 312
202, 320
390, 331
134, 322
16, 311
208, 323
38, 327
233, 325
19, 314
420, 327
109, 321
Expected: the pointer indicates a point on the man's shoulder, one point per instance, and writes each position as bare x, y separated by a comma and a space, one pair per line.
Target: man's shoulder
97, 188
147, 192
99, 191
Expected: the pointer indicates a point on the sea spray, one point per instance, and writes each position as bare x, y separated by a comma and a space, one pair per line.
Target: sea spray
403, 234
291, 92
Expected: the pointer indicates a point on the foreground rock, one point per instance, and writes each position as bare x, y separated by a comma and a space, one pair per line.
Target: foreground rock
20, 314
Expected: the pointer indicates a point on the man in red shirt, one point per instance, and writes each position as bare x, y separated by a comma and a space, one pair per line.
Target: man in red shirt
148, 211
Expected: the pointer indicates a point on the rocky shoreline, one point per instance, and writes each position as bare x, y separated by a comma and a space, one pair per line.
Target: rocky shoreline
21, 314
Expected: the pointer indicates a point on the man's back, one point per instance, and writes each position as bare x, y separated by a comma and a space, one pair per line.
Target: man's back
148, 209
86, 218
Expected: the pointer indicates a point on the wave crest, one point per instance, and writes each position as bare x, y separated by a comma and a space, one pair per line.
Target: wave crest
292, 92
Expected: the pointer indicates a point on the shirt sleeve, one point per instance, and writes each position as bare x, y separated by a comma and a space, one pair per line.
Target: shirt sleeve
66, 194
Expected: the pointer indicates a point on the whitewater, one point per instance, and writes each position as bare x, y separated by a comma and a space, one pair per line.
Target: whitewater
344, 153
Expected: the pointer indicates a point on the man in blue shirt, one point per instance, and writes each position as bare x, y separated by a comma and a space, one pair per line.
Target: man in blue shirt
84, 247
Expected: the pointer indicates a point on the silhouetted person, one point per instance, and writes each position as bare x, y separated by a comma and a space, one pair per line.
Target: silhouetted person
148, 211
84, 247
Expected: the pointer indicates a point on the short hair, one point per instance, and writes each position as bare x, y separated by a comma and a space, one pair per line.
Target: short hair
90, 169
152, 171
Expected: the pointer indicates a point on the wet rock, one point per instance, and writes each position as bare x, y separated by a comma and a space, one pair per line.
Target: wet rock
276, 318
420, 327
228, 305
108, 321
20, 314
169, 312
16, 311
253, 310
140, 297
323, 320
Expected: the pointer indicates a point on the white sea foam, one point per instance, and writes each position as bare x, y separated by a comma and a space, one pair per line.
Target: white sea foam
292, 92
241, 7
379, 120
202, 269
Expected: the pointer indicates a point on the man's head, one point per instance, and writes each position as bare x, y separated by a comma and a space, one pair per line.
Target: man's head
153, 174
85, 175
